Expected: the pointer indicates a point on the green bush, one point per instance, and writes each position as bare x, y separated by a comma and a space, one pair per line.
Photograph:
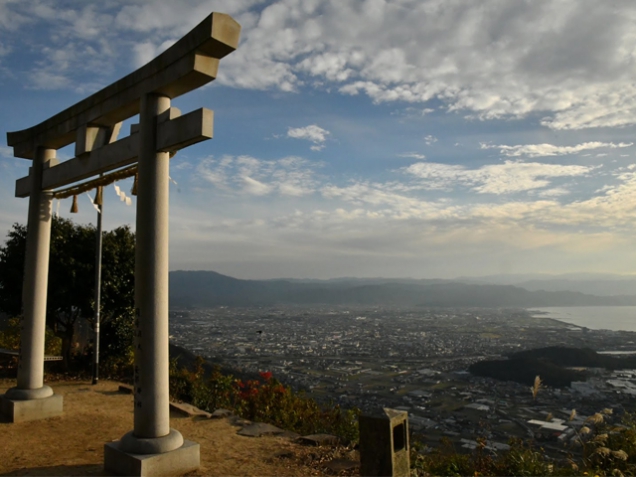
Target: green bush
117, 354
603, 450
10, 338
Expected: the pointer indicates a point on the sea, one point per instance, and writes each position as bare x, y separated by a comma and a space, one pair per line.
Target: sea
615, 318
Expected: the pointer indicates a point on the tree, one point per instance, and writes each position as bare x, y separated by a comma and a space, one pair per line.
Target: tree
72, 279
118, 299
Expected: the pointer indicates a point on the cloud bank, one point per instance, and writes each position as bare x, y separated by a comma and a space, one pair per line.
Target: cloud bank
568, 63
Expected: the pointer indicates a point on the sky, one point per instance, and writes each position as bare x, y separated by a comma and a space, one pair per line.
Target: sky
394, 138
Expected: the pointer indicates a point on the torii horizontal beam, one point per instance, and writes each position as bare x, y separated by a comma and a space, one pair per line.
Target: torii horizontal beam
173, 134
188, 64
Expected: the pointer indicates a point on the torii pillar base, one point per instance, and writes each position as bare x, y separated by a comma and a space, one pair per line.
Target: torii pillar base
175, 462
25, 405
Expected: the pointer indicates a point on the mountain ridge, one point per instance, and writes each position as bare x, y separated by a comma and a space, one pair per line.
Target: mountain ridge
208, 288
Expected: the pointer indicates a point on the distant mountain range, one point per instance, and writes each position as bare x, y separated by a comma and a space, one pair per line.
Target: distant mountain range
207, 288
589, 283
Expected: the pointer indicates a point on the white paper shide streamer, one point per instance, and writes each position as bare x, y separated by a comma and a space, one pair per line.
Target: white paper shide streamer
92, 202
124, 198
122, 195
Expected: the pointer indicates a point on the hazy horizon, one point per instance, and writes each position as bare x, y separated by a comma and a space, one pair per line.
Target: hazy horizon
512, 276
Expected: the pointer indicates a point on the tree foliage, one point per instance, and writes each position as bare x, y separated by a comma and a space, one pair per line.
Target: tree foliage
71, 282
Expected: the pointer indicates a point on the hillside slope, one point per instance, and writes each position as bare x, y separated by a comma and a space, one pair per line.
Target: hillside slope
94, 415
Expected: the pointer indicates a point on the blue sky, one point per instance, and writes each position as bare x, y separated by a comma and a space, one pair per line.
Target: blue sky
400, 138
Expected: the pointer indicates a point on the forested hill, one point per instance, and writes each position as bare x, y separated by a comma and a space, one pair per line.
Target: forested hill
206, 288
577, 357
553, 364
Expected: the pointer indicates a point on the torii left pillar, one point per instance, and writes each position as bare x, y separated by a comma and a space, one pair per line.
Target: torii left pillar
31, 399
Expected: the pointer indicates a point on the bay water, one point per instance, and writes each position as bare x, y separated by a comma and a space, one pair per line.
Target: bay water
615, 318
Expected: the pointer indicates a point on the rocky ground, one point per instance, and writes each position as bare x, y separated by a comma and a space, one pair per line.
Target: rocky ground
73, 443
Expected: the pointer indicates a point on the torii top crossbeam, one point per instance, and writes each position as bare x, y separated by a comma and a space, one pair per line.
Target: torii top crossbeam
188, 64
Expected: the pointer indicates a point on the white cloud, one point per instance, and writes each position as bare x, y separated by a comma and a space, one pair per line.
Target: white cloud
146, 51
411, 112
430, 139
290, 176
398, 219
556, 192
255, 187
569, 62
6, 152
413, 155
11, 19
505, 178
313, 133
544, 150
609, 209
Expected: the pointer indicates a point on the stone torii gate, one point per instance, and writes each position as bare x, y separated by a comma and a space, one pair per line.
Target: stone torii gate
93, 124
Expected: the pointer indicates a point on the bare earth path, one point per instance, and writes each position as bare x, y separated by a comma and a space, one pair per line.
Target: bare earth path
73, 444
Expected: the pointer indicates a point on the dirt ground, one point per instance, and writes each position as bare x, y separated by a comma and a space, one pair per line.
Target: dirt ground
93, 415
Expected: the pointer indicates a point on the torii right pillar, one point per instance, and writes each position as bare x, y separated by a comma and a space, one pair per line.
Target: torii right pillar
152, 447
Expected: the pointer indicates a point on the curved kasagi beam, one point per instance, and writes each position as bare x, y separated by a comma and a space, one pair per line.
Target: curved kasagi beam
188, 64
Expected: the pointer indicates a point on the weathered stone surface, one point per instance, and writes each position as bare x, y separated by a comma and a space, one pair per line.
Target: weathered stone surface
338, 465
32, 409
186, 130
289, 435
258, 429
188, 409
221, 413
384, 443
177, 462
239, 421
320, 440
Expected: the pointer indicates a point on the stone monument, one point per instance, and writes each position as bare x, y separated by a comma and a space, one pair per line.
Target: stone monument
384, 443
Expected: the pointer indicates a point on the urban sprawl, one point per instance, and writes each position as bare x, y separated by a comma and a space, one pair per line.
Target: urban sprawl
417, 360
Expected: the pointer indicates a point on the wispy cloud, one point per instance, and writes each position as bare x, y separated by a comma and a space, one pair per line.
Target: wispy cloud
489, 60
544, 150
613, 206
290, 176
509, 177
312, 133
398, 218
413, 155
555, 192
6, 152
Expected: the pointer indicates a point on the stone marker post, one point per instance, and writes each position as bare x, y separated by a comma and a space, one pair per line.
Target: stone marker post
31, 399
384, 444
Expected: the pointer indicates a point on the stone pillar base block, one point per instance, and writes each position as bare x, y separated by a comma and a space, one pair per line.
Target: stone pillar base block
176, 462
31, 409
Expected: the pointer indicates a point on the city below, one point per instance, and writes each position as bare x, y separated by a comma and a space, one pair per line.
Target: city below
417, 359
